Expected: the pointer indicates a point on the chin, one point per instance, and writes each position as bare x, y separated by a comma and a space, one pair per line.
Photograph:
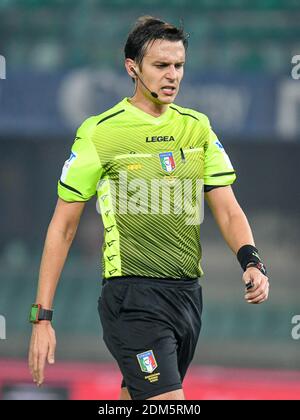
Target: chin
167, 100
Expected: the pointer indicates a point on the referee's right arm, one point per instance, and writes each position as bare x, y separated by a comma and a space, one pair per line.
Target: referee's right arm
60, 235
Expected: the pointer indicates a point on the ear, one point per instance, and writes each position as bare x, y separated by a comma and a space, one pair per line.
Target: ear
130, 67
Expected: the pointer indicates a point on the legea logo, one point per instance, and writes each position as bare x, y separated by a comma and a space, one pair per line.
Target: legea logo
2, 67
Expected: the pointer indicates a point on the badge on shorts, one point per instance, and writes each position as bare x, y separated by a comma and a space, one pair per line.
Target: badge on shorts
167, 161
147, 361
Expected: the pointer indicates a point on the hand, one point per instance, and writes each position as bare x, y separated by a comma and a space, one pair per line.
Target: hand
259, 292
42, 348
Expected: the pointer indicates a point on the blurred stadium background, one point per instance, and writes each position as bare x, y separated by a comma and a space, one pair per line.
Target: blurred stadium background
64, 62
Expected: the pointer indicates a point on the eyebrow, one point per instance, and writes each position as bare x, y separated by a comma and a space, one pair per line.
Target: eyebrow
165, 62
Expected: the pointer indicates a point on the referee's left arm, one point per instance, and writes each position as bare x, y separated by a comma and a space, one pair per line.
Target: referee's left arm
237, 233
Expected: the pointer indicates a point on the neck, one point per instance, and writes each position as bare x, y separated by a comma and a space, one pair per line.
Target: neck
148, 104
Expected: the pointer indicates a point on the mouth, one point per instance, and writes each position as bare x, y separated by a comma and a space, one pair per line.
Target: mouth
168, 90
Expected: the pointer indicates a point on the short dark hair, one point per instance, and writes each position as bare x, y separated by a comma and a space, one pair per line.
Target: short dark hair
146, 30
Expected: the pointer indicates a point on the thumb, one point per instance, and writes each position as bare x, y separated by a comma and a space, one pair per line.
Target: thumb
248, 280
51, 358
52, 346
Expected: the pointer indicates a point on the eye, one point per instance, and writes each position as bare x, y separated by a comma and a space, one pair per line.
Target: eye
161, 66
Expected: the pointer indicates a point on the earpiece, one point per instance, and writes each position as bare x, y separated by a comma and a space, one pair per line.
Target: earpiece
154, 94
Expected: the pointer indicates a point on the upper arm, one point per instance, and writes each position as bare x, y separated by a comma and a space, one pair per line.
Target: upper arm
222, 202
67, 215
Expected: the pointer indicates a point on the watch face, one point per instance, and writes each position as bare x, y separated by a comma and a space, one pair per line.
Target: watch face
34, 313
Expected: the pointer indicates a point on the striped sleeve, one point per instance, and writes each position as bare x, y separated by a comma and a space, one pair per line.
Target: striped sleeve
82, 171
218, 169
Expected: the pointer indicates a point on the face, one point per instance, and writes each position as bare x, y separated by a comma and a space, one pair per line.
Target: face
162, 70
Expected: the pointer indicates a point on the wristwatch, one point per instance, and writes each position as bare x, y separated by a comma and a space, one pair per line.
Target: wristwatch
259, 265
37, 313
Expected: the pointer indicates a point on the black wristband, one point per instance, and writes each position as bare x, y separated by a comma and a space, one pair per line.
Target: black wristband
247, 254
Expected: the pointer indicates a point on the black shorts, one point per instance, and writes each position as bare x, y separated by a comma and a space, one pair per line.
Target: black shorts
151, 327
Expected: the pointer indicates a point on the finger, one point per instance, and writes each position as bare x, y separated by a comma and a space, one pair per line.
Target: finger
30, 355
41, 367
52, 346
258, 300
254, 281
30, 364
261, 297
35, 359
263, 284
249, 285
252, 288
253, 295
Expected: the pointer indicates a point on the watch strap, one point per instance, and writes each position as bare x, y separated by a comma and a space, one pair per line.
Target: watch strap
260, 266
38, 313
45, 314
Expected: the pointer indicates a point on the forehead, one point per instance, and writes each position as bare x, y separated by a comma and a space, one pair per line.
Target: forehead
166, 51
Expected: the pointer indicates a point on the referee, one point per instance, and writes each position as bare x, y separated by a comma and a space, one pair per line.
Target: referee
151, 301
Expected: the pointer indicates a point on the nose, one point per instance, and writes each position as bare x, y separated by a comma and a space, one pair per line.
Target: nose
171, 73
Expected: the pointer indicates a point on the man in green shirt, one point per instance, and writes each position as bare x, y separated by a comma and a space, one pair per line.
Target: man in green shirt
147, 160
